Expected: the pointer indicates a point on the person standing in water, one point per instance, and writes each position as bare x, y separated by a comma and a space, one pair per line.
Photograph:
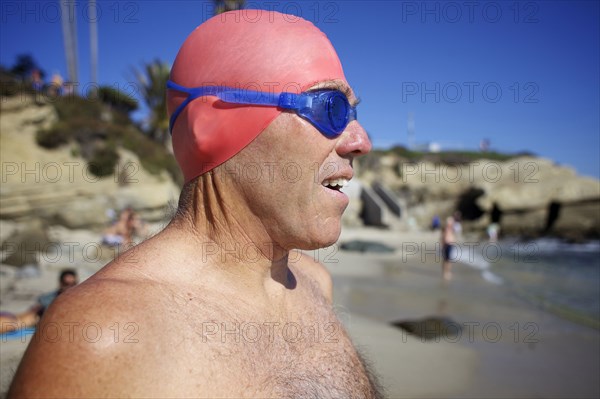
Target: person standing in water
448, 241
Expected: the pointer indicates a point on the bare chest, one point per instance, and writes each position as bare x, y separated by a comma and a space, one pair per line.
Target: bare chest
225, 344
286, 358
307, 353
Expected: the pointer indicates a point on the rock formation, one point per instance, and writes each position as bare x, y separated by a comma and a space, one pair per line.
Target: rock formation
42, 188
526, 196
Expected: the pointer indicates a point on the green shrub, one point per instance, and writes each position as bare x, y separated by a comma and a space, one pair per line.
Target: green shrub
117, 99
103, 161
71, 106
442, 157
54, 137
10, 88
97, 137
153, 156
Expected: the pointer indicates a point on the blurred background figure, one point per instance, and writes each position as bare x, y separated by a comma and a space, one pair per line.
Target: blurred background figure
36, 80
457, 226
123, 230
492, 230
56, 85
448, 240
435, 223
10, 322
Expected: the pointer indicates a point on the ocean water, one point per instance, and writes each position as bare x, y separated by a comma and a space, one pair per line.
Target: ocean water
559, 277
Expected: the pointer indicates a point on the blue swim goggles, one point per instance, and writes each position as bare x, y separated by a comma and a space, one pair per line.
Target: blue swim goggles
328, 110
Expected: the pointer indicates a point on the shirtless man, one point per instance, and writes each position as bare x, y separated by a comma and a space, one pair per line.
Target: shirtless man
448, 241
220, 303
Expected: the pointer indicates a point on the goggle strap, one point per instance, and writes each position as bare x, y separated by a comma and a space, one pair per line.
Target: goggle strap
228, 95
302, 103
287, 101
248, 97
192, 93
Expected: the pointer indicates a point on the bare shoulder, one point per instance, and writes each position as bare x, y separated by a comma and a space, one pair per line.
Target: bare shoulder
316, 271
85, 328
104, 338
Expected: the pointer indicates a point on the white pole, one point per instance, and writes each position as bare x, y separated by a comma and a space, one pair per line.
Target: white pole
93, 42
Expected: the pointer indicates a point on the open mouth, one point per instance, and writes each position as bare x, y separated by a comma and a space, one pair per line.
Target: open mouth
336, 184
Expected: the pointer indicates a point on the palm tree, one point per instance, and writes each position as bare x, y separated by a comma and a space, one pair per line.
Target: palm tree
69, 28
152, 84
93, 42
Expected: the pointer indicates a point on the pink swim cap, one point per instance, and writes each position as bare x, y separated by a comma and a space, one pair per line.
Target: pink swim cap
248, 49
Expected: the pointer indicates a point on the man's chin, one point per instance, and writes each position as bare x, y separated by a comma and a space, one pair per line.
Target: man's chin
324, 239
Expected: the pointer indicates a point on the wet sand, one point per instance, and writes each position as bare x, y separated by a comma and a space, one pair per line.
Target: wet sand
497, 345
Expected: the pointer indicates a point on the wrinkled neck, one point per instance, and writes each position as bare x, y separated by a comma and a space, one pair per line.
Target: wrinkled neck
224, 232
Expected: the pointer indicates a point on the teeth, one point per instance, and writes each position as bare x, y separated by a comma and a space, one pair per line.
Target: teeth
339, 183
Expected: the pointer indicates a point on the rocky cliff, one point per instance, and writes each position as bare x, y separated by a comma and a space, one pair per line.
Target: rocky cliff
526, 196
58, 185
42, 189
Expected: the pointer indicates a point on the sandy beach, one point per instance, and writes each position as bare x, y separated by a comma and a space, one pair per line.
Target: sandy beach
496, 345
505, 347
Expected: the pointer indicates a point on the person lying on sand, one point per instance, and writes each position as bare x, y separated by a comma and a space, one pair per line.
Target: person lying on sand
121, 232
11, 322
220, 303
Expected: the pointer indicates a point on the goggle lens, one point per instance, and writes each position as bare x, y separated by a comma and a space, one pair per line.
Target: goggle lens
338, 111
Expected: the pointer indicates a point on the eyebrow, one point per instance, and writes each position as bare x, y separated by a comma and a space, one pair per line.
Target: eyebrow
346, 90
348, 93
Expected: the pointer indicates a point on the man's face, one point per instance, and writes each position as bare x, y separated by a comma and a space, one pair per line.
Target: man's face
283, 175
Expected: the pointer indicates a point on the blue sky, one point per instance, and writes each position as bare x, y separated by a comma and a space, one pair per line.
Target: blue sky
525, 75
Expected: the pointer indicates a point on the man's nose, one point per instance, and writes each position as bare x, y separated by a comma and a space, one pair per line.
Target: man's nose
354, 140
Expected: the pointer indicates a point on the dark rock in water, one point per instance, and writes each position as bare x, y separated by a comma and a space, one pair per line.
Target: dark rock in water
430, 328
366, 246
